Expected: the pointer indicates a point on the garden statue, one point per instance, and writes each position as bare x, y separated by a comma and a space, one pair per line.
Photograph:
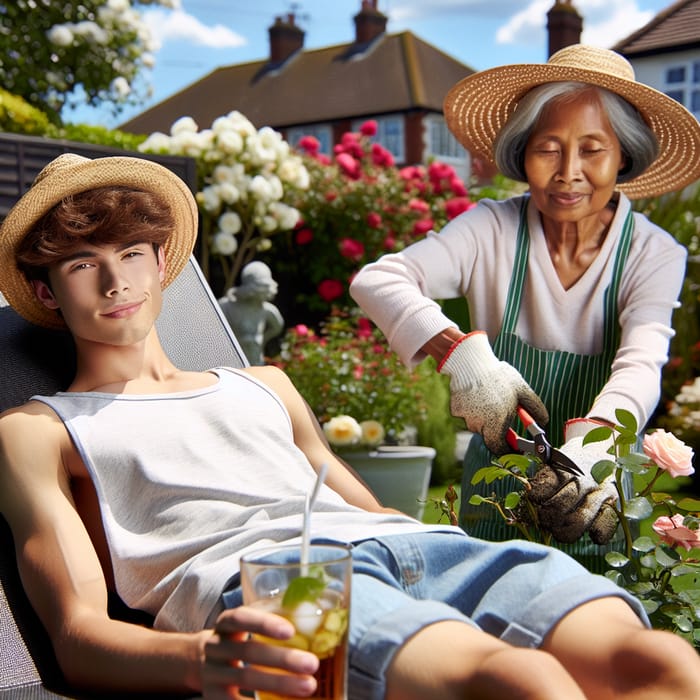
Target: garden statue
249, 311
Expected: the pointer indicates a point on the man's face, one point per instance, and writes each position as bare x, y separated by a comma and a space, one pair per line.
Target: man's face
107, 294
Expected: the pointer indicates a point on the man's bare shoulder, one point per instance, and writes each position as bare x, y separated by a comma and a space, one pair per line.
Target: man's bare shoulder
32, 443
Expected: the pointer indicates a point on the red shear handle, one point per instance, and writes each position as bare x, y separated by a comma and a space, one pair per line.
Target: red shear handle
525, 417
512, 439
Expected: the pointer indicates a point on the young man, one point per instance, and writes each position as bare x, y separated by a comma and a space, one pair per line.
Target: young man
152, 481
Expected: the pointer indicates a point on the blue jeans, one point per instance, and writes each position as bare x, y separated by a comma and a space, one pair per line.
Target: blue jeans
513, 590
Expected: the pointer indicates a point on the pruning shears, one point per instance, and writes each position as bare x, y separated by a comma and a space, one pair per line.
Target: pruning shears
540, 446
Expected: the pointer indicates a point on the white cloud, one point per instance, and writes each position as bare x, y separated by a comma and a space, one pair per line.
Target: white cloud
604, 22
178, 25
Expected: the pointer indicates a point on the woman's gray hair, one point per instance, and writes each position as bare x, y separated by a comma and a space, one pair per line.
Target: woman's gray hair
638, 142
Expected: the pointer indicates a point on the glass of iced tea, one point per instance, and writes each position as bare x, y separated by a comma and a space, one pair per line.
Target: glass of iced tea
314, 596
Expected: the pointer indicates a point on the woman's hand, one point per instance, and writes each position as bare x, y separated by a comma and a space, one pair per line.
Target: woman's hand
487, 392
235, 659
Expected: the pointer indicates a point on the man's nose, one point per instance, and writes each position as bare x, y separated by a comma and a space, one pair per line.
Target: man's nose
113, 281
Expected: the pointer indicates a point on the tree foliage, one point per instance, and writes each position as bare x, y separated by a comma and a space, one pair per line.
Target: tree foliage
61, 53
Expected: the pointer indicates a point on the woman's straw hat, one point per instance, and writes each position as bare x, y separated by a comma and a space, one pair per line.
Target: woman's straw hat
70, 174
478, 106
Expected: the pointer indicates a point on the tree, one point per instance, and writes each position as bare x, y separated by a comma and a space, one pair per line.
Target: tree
56, 54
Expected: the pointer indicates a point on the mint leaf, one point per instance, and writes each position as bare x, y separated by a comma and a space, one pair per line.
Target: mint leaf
301, 590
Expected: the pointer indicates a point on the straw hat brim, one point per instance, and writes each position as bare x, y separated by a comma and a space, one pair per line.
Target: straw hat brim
478, 106
70, 174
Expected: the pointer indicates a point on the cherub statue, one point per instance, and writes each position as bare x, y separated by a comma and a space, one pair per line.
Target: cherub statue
248, 310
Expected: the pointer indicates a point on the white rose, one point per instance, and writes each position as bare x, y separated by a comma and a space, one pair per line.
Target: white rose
228, 192
183, 124
241, 123
230, 222
120, 87
60, 35
209, 199
268, 224
157, 142
342, 430
287, 216
229, 141
224, 243
261, 188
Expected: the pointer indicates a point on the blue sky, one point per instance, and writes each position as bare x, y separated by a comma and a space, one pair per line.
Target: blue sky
206, 34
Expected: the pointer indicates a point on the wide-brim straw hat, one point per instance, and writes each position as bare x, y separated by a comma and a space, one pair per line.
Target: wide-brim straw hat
478, 106
70, 174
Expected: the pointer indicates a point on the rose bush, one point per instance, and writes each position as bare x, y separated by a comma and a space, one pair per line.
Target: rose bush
245, 177
358, 206
650, 565
346, 368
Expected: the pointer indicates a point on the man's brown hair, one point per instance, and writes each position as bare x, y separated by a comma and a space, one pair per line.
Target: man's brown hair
103, 216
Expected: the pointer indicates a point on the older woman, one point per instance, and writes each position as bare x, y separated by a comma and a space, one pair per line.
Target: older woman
569, 291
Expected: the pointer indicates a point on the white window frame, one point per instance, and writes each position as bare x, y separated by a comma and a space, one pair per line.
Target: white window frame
322, 132
687, 90
391, 133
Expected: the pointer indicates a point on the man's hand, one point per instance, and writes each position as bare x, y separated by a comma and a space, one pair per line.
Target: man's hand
568, 506
487, 392
235, 660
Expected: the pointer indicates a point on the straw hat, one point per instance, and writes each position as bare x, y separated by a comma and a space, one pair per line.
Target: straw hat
70, 174
478, 106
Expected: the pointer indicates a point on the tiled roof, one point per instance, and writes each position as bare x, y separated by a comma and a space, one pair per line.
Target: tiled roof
674, 28
396, 72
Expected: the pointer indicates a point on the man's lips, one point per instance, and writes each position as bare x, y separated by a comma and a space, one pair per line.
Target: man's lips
123, 310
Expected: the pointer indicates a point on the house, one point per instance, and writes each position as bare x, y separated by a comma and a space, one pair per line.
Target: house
398, 80
665, 53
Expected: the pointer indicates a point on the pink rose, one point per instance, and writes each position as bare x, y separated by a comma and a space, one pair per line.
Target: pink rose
673, 532
669, 453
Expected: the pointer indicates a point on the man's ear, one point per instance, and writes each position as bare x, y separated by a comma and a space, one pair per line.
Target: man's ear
44, 294
161, 264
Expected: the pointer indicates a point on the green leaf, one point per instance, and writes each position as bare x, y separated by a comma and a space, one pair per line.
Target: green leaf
302, 589
683, 623
602, 470
626, 419
638, 508
634, 463
650, 606
666, 557
643, 544
692, 505
597, 434
616, 559
489, 474
476, 500
512, 500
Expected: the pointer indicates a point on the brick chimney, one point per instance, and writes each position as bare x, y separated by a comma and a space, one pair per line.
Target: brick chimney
369, 22
564, 26
285, 38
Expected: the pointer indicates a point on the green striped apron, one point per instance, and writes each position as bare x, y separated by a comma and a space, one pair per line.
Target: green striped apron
566, 382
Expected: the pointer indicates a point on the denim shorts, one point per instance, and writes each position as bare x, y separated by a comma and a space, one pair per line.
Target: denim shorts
513, 590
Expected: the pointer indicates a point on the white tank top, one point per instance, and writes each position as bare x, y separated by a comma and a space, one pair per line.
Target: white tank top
189, 481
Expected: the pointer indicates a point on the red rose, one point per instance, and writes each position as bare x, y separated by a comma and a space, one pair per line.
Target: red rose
304, 236
422, 226
329, 290
310, 144
369, 128
454, 207
348, 165
374, 220
351, 249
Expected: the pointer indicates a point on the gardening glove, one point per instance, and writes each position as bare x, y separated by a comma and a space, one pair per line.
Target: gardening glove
567, 505
486, 392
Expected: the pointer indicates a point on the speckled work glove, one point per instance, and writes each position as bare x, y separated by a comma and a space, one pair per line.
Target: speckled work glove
568, 506
487, 392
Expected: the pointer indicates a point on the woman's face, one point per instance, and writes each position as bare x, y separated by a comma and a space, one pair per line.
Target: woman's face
572, 160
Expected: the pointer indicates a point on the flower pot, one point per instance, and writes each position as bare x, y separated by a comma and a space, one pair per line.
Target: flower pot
398, 475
